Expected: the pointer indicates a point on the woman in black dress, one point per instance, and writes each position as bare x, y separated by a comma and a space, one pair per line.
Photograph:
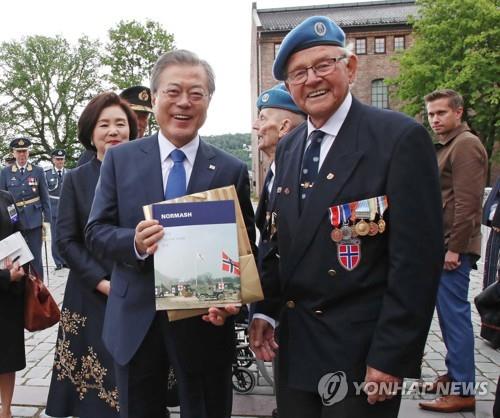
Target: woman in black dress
11, 310
83, 381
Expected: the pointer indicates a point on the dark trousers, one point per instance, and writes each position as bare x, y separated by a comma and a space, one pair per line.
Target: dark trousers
491, 260
142, 384
294, 403
34, 240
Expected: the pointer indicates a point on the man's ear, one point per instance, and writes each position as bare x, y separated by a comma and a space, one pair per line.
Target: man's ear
285, 127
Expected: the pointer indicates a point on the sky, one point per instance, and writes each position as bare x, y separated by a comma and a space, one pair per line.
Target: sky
217, 30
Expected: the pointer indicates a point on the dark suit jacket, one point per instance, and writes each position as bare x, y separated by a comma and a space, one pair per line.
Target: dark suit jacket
131, 177
379, 313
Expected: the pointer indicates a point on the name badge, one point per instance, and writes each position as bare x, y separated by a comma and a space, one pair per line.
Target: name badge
12, 213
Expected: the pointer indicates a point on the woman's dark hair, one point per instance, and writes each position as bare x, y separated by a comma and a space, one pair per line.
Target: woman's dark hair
90, 116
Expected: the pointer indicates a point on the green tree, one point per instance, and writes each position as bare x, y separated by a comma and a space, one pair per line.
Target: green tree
132, 50
43, 83
457, 46
235, 144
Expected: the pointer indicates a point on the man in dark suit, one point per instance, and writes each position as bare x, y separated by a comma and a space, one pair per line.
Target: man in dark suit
171, 163
26, 182
54, 177
359, 229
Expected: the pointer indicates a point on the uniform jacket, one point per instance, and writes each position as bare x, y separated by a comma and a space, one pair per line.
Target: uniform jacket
379, 313
116, 211
463, 167
30, 185
54, 187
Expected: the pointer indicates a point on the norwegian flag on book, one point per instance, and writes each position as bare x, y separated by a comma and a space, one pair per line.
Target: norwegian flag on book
230, 265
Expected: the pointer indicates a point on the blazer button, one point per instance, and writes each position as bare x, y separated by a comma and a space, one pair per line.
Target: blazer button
332, 272
290, 304
318, 312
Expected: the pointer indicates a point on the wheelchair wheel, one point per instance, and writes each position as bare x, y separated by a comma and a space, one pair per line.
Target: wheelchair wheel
243, 380
244, 357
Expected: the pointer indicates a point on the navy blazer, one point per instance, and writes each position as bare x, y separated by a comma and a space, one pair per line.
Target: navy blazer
379, 313
493, 197
131, 177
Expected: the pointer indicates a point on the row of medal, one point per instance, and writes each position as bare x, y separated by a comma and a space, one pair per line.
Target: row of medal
361, 218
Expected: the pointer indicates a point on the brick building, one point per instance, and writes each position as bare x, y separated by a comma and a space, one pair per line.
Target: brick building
376, 30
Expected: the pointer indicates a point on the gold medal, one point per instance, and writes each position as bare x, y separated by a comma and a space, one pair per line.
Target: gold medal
362, 228
381, 226
336, 235
373, 228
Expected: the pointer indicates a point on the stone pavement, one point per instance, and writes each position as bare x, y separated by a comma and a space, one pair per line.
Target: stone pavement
32, 383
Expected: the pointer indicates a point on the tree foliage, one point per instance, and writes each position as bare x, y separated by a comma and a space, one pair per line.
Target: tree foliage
43, 83
457, 46
132, 50
235, 144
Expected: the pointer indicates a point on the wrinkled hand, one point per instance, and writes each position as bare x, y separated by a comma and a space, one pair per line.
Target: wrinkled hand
218, 316
16, 271
372, 388
147, 235
262, 340
451, 260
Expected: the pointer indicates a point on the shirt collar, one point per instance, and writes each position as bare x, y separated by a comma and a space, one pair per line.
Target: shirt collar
454, 133
190, 149
334, 123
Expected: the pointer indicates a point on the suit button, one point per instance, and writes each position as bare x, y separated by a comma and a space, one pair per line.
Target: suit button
318, 312
290, 304
332, 272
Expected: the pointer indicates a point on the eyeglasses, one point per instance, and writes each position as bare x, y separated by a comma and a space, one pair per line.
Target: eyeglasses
194, 96
320, 69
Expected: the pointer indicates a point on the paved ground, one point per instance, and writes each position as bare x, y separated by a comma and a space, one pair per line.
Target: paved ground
32, 382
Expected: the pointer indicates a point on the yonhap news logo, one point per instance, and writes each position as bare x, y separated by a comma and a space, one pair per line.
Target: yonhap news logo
332, 388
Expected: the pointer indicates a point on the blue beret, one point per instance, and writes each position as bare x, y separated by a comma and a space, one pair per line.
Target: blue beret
59, 153
314, 31
277, 97
20, 144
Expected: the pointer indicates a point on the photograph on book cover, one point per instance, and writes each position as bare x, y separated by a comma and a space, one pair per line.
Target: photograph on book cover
197, 264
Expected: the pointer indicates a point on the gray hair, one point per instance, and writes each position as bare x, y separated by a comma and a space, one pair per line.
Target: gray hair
181, 57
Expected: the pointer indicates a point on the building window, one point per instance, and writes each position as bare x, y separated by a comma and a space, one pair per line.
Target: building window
399, 43
380, 94
380, 45
360, 46
276, 49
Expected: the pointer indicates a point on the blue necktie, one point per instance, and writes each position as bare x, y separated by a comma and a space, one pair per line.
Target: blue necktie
176, 182
310, 165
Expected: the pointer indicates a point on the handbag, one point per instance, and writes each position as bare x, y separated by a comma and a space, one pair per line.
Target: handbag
488, 306
40, 308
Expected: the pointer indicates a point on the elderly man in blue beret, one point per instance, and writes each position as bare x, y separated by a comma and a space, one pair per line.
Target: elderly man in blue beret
358, 222
278, 115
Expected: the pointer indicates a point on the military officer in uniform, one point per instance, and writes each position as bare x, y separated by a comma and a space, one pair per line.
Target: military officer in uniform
139, 100
26, 182
55, 176
9, 160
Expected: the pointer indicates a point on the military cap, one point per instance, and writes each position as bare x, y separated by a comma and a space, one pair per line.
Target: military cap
314, 31
277, 97
9, 158
58, 153
138, 98
20, 144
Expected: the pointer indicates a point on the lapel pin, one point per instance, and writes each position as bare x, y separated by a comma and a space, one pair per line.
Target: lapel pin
330, 176
287, 190
278, 189
211, 167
